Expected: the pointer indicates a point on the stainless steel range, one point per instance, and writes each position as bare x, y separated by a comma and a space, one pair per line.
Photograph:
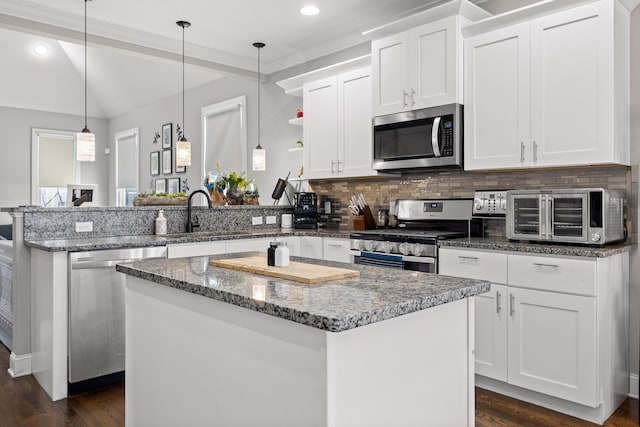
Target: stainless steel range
412, 244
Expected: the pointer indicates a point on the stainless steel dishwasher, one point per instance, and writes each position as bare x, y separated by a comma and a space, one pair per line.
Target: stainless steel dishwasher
96, 314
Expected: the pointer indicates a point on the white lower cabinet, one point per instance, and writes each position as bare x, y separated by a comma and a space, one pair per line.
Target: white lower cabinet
336, 249
552, 325
311, 247
195, 249
552, 344
491, 333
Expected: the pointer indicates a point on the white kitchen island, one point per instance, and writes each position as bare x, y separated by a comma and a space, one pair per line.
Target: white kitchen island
218, 347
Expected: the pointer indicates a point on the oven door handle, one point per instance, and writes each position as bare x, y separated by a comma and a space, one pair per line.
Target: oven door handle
435, 131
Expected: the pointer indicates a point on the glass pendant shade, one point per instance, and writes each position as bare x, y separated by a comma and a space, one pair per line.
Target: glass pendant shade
85, 146
183, 152
259, 159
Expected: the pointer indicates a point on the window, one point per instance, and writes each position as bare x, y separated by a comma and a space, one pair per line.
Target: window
53, 166
126, 154
224, 131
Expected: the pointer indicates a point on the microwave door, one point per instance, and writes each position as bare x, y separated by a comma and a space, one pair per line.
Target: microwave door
568, 217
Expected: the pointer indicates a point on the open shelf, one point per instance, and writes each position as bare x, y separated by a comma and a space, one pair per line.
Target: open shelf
295, 149
297, 121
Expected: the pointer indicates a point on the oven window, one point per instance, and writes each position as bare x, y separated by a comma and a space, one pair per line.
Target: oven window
567, 216
406, 140
526, 216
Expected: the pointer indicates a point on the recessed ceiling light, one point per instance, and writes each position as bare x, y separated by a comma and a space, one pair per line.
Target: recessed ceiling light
40, 49
309, 10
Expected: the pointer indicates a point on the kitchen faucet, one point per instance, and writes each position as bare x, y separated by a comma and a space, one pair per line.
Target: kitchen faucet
190, 224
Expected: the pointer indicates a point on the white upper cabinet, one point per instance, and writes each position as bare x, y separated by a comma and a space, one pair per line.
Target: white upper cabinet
320, 131
417, 68
572, 87
552, 91
337, 126
496, 117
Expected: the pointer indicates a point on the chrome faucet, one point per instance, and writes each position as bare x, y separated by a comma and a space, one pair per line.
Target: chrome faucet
190, 224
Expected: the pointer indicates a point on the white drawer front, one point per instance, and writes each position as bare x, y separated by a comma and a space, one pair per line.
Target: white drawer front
574, 276
194, 249
489, 266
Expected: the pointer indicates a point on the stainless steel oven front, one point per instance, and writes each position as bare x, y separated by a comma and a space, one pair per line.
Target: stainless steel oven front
398, 255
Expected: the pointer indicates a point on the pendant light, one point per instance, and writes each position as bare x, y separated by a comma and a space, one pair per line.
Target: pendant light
183, 146
85, 140
259, 153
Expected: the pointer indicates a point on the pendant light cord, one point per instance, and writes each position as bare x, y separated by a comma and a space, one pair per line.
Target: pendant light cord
85, 64
183, 83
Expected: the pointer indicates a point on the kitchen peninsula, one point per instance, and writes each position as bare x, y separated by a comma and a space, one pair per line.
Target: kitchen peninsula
208, 345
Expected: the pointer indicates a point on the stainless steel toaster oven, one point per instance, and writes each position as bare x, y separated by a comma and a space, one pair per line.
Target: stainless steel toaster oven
591, 216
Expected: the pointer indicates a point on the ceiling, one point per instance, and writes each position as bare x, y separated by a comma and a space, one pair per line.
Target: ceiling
135, 46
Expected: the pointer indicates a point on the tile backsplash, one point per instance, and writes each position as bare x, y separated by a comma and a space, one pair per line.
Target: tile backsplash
380, 192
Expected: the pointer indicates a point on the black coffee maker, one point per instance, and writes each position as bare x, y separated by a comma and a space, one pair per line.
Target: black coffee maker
305, 210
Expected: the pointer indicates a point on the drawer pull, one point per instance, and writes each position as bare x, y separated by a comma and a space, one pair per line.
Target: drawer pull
539, 264
334, 245
511, 301
475, 258
498, 308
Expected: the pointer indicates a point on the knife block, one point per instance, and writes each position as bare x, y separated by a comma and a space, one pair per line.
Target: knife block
369, 222
358, 222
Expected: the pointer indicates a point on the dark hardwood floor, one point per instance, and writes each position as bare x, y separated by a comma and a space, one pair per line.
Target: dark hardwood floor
24, 403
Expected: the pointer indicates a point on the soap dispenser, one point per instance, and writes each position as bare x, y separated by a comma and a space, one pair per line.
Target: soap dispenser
161, 223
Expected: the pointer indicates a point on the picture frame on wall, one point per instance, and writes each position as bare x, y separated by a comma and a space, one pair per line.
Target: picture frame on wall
166, 162
173, 185
167, 135
161, 185
154, 166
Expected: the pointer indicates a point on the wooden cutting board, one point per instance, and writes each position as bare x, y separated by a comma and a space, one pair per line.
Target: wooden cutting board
298, 271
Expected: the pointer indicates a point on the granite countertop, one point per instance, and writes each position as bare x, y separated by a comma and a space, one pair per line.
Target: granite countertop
334, 306
504, 244
121, 242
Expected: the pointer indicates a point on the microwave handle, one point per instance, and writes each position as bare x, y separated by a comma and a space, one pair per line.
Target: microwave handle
550, 231
435, 130
543, 216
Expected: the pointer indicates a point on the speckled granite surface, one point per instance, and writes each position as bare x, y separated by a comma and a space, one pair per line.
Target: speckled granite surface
59, 223
339, 305
503, 244
121, 242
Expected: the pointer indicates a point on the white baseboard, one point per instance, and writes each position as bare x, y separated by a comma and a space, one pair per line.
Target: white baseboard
633, 385
19, 365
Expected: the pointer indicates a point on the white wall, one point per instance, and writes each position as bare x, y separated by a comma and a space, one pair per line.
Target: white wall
276, 134
15, 145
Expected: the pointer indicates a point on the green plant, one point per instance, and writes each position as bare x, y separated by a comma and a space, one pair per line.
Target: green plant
232, 179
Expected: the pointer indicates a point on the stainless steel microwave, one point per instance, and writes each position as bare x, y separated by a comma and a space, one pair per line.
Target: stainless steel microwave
418, 139
591, 216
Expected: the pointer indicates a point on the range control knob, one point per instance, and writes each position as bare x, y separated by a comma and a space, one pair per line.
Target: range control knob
595, 237
478, 206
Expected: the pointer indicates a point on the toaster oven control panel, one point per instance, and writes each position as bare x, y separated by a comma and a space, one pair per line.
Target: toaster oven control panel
490, 203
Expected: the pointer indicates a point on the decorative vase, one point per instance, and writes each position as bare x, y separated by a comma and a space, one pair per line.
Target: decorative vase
235, 195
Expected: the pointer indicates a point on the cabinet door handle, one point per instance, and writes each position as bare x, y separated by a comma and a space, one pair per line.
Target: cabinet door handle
511, 302
521, 151
413, 97
332, 165
339, 163
535, 152
474, 258
539, 264
498, 308
404, 98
